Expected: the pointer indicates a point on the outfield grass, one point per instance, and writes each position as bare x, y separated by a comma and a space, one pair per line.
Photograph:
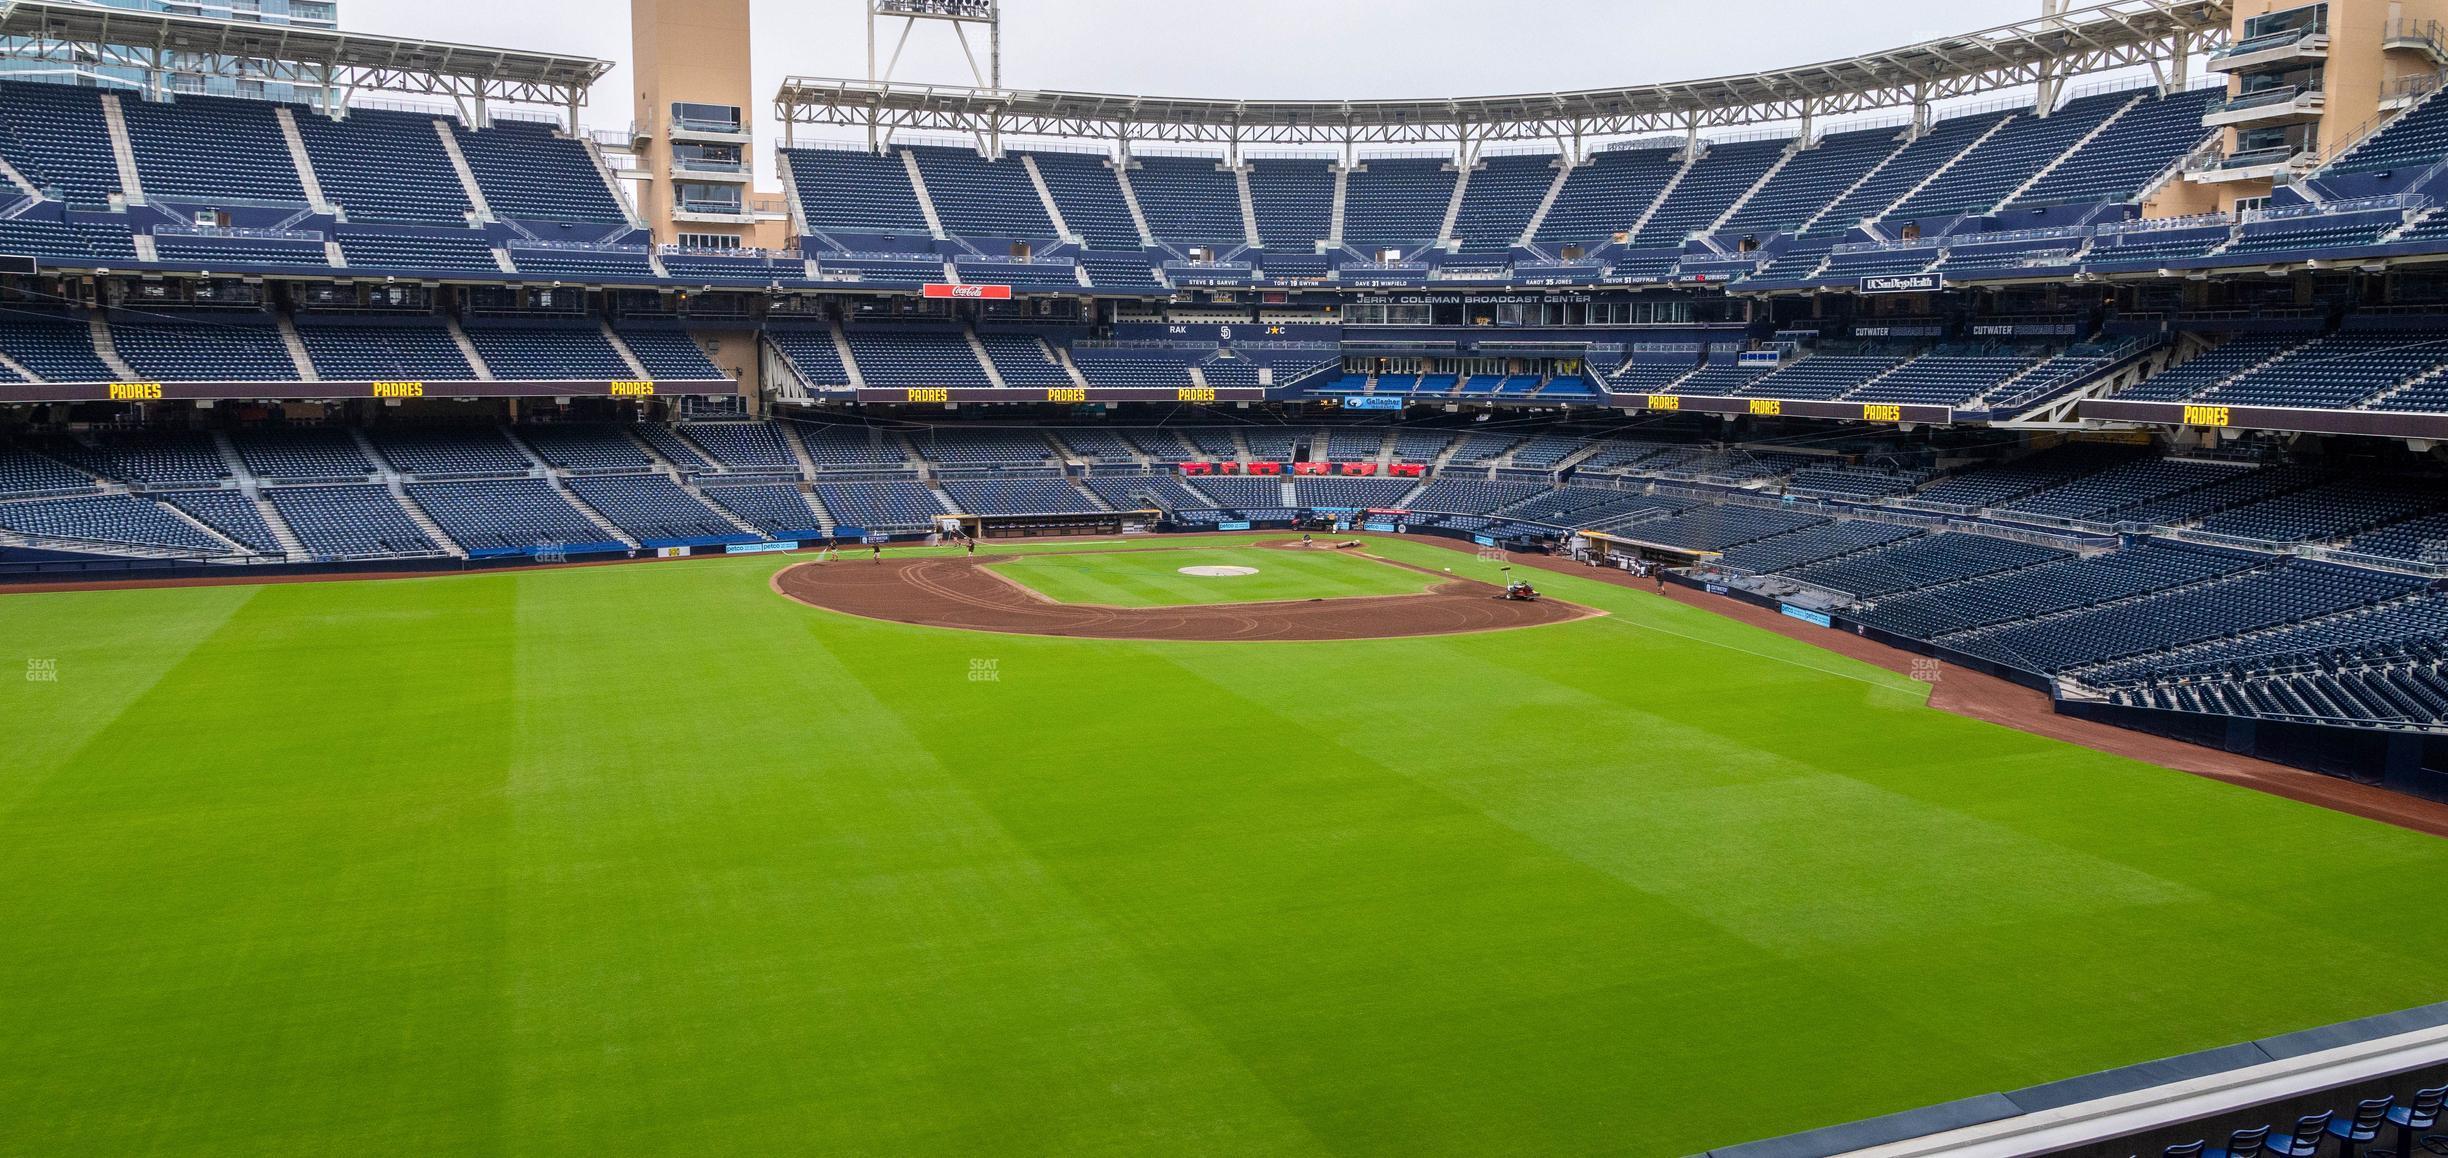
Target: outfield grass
1155, 579
646, 859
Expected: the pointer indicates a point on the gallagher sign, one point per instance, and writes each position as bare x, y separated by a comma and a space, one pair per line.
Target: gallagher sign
990, 293
1901, 283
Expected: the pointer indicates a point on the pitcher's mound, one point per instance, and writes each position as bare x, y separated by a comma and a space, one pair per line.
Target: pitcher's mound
1219, 572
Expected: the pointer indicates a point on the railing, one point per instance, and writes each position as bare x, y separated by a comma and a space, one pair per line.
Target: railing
2269, 40
2281, 94
2404, 32
2401, 202
2161, 224
241, 234
517, 243
742, 252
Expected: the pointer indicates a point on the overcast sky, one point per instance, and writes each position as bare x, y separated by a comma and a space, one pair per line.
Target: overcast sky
1314, 48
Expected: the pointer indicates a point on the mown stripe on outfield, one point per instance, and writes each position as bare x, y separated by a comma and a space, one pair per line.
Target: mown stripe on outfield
289, 934
77, 680
768, 905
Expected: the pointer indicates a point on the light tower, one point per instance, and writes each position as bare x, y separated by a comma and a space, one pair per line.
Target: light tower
959, 14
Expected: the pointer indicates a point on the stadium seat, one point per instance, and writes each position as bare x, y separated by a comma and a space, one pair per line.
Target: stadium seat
2362, 1127
2304, 1140
2252, 1143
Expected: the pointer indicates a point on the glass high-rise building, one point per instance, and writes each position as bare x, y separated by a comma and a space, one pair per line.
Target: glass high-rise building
198, 74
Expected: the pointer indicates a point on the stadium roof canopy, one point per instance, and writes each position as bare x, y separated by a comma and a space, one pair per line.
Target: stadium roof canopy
342, 62
2120, 34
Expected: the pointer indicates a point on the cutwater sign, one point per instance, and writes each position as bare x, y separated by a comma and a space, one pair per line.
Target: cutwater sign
1901, 283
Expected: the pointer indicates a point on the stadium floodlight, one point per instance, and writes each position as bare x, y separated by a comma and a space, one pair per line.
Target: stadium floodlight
959, 14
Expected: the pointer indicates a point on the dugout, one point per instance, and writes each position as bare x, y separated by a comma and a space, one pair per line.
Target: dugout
1052, 526
1622, 551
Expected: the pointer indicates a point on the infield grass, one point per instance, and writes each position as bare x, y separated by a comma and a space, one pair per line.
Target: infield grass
1155, 578
647, 859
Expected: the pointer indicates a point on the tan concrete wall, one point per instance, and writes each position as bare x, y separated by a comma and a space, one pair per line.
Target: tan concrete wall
686, 50
2358, 73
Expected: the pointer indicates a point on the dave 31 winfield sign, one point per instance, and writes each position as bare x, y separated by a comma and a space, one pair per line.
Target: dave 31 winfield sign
988, 293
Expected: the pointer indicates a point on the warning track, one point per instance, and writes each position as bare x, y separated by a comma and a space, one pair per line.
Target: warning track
960, 593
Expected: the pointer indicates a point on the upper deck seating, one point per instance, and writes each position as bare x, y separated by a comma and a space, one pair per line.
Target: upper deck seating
384, 167
201, 148
58, 140
1986, 174
1812, 179
1609, 194
1189, 200
530, 171
975, 197
2151, 139
1294, 200
1709, 189
1503, 193
1399, 201
1090, 198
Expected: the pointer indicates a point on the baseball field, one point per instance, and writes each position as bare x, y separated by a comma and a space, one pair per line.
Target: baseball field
653, 859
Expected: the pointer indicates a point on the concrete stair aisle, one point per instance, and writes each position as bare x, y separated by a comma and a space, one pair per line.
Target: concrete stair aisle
297, 352
1866, 177
467, 175
108, 351
977, 350
1947, 166
797, 445
824, 518
425, 522
282, 533
1045, 197
230, 546
1783, 159
365, 446
610, 529
123, 150
536, 465
1453, 205
1130, 201
1342, 198
1691, 157
628, 356
467, 349
1249, 205
2072, 151
1546, 205
849, 361
698, 493
302, 161
232, 461
926, 202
